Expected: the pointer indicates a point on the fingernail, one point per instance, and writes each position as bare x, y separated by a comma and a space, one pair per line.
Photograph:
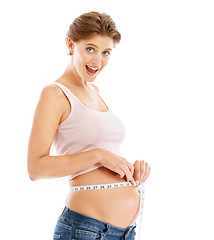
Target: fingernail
133, 182
137, 183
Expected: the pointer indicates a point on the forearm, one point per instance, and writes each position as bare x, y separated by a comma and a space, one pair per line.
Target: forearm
61, 166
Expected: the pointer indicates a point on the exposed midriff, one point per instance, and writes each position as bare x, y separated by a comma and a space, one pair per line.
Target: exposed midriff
116, 206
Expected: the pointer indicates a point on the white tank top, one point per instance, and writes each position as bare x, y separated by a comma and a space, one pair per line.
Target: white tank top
87, 129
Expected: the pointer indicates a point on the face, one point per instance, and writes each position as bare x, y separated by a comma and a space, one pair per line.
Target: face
91, 55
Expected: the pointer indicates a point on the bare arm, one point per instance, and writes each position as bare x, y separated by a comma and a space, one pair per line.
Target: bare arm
47, 116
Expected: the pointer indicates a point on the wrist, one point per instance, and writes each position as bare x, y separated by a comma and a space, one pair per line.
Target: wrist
97, 155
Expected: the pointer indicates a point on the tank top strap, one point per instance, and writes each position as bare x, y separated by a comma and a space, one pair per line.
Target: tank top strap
72, 98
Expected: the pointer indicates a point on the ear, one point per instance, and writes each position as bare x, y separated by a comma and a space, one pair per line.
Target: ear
70, 44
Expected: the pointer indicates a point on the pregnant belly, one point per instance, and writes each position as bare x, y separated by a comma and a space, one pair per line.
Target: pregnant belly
116, 206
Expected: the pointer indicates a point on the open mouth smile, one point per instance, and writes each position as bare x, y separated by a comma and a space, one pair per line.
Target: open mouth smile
92, 70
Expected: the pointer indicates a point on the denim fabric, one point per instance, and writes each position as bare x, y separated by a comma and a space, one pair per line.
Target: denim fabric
73, 225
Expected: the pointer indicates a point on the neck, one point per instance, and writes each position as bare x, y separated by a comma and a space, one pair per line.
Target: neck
72, 76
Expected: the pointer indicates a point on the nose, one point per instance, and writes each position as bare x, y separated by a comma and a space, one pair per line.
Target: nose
97, 60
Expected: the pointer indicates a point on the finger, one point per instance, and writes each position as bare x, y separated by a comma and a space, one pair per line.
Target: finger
128, 174
121, 173
147, 172
137, 171
142, 170
131, 167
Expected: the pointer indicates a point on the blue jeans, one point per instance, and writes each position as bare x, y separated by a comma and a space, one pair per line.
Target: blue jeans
73, 225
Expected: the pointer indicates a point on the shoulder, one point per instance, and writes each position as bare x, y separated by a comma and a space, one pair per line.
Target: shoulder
53, 97
52, 93
95, 87
51, 90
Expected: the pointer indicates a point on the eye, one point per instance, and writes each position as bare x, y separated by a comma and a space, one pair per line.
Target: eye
106, 53
90, 49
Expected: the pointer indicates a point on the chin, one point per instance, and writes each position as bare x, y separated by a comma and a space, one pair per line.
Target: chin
90, 78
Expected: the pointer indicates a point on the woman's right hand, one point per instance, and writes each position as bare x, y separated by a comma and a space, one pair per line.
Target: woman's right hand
116, 164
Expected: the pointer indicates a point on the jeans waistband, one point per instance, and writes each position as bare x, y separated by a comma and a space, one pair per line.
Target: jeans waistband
94, 223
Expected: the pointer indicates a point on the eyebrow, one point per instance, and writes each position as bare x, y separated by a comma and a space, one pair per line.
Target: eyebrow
91, 44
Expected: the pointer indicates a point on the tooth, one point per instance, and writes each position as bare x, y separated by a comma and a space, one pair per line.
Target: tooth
94, 68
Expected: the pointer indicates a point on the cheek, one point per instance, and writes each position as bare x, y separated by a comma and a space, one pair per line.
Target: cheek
105, 62
78, 61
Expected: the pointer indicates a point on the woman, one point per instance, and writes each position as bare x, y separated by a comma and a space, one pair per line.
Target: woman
86, 134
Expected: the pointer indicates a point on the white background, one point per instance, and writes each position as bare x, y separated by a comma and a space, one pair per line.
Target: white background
159, 82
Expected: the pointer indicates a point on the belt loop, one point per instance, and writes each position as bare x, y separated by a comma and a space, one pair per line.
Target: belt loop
125, 234
63, 211
105, 231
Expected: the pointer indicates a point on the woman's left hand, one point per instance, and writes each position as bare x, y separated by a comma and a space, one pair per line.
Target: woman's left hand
141, 171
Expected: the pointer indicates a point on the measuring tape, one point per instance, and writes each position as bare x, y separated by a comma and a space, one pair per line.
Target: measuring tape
115, 185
